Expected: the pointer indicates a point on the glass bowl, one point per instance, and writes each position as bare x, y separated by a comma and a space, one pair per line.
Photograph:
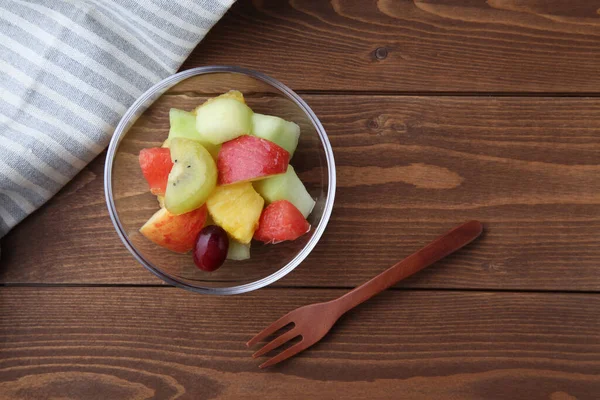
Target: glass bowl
146, 124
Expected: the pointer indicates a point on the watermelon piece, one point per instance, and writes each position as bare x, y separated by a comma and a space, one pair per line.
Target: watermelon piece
175, 232
281, 221
156, 164
249, 158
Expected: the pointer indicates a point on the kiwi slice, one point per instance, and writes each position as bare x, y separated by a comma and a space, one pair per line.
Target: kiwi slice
277, 130
192, 178
223, 119
183, 125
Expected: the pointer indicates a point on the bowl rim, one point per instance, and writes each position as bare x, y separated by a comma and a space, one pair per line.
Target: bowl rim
140, 105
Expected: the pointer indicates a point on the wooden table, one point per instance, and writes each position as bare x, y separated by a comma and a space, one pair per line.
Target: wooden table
438, 111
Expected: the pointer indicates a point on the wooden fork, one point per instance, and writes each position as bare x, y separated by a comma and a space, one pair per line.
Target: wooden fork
312, 322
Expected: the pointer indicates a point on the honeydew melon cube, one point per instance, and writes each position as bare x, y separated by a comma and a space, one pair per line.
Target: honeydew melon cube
277, 130
286, 187
232, 94
223, 119
238, 251
183, 125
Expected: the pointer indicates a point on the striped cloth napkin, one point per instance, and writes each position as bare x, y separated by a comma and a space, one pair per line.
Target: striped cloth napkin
69, 69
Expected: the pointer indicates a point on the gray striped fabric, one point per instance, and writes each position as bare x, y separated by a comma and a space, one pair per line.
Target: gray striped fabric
68, 70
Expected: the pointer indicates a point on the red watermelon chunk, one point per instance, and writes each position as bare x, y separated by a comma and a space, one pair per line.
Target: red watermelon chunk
281, 221
156, 164
248, 158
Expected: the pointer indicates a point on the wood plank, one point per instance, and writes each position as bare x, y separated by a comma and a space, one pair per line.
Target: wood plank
162, 342
413, 46
409, 168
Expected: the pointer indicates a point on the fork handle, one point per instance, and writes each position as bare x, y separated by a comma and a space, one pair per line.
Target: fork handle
434, 251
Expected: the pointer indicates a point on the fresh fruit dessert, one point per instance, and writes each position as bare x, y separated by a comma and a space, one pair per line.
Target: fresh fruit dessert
222, 179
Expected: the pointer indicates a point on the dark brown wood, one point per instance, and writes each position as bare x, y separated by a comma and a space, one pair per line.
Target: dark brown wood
155, 343
312, 322
408, 168
416, 98
415, 46
435, 251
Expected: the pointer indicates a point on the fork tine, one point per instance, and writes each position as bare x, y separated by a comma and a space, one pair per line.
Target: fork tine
287, 353
280, 323
275, 343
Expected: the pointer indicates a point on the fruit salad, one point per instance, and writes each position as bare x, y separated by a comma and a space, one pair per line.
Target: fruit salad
222, 179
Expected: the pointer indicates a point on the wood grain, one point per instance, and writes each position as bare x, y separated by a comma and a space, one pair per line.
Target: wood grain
409, 168
413, 45
164, 343
397, 85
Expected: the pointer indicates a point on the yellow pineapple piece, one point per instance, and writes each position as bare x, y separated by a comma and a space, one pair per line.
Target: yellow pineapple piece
232, 94
161, 201
236, 208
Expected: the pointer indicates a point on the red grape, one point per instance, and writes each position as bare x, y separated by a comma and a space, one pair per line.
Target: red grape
211, 248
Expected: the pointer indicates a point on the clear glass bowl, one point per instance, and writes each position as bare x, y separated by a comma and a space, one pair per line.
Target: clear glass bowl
146, 124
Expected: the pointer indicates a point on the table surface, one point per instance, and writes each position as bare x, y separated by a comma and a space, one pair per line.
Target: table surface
438, 111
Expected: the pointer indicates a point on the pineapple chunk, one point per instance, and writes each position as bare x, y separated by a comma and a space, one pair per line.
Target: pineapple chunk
232, 94
237, 251
236, 208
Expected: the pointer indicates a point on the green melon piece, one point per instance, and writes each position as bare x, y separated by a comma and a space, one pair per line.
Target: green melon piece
238, 251
286, 187
183, 125
223, 119
192, 178
277, 130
